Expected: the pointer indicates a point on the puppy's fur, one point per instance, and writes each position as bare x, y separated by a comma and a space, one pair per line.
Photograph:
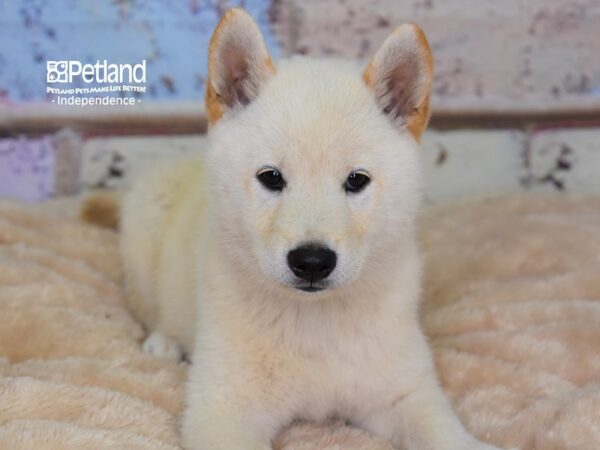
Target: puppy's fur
204, 247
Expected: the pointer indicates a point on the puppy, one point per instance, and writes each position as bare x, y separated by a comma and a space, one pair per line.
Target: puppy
284, 259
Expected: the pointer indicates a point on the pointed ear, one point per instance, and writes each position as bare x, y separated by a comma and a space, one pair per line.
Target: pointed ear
400, 76
238, 64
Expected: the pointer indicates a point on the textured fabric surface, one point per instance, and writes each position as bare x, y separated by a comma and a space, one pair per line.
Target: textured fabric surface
511, 304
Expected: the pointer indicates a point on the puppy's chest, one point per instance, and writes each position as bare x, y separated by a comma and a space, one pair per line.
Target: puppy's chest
351, 373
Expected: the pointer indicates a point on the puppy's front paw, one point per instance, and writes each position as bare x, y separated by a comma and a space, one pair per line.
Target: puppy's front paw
157, 344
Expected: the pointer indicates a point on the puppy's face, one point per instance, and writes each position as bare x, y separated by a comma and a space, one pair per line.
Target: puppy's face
314, 164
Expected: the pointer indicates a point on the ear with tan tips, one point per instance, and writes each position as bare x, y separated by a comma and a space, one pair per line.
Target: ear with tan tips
238, 64
400, 76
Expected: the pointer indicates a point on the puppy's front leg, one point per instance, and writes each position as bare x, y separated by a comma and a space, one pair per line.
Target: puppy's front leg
423, 419
223, 427
227, 412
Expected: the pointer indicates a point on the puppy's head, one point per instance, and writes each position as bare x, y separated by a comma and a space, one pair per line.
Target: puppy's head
314, 163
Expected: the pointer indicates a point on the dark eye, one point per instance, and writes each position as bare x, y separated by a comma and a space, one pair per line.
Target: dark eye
356, 182
271, 179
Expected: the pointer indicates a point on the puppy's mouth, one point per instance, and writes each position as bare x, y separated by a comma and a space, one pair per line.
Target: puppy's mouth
311, 287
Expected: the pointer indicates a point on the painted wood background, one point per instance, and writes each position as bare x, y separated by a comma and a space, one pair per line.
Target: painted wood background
537, 56
487, 52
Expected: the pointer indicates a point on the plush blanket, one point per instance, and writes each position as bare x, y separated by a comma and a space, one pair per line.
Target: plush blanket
511, 305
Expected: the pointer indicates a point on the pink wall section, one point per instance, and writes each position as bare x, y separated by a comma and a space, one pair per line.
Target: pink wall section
26, 168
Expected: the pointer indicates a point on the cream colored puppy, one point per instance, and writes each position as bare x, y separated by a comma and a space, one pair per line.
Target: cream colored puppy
284, 260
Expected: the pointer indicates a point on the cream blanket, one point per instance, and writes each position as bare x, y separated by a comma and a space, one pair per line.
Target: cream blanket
512, 306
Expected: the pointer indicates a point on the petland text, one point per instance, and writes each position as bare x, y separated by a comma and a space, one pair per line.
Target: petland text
101, 72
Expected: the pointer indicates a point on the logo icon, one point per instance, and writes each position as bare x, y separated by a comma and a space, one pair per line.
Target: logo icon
56, 71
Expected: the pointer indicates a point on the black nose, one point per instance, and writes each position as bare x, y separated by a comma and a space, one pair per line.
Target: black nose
311, 262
